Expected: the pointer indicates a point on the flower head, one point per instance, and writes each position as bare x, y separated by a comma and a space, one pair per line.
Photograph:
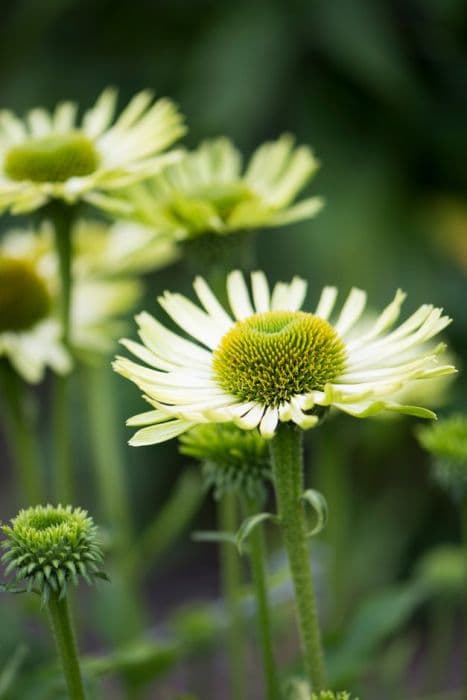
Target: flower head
47, 547
447, 442
232, 459
268, 361
209, 192
52, 156
30, 335
105, 264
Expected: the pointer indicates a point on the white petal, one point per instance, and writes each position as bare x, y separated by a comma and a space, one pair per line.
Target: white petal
269, 422
239, 298
260, 288
326, 302
211, 303
251, 419
154, 434
351, 311
192, 320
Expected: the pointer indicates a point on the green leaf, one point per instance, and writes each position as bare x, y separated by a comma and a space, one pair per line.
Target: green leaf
214, 536
247, 527
10, 671
319, 504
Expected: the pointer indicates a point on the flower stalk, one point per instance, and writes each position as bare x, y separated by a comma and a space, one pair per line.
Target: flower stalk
257, 556
21, 434
62, 628
62, 217
287, 463
231, 577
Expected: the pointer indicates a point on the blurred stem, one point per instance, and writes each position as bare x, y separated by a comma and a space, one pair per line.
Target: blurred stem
21, 436
62, 216
62, 628
227, 518
334, 483
167, 525
61, 422
258, 560
107, 456
287, 464
441, 632
464, 540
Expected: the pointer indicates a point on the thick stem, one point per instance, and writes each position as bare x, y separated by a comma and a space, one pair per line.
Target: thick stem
62, 217
231, 584
287, 463
20, 432
62, 628
257, 554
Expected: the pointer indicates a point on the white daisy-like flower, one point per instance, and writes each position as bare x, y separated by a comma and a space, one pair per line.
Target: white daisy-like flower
30, 335
269, 361
53, 156
105, 286
209, 191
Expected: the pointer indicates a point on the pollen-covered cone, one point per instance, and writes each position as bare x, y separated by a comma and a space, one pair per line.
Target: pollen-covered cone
208, 191
267, 361
54, 155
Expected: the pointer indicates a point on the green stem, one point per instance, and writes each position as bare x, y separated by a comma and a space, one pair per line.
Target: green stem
62, 628
287, 463
257, 555
20, 432
105, 445
464, 541
231, 584
441, 636
62, 217
62, 446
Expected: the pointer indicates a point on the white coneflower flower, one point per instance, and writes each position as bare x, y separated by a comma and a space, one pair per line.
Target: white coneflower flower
269, 361
51, 155
208, 191
30, 335
105, 287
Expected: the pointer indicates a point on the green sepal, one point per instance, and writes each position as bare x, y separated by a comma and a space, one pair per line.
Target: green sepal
11, 588
319, 504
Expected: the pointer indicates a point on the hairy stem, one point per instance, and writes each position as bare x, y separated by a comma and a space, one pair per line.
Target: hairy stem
62, 628
257, 555
287, 463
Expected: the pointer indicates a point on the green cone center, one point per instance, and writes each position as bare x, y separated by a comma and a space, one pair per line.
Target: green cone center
272, 356
52, 158
24, 298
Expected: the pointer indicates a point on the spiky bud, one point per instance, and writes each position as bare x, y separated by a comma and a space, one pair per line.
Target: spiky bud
48, 547
298, 689
232, 459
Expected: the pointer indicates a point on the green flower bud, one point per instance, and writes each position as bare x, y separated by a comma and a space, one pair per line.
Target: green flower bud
47, 547
447, 442
297, 689
232, 459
